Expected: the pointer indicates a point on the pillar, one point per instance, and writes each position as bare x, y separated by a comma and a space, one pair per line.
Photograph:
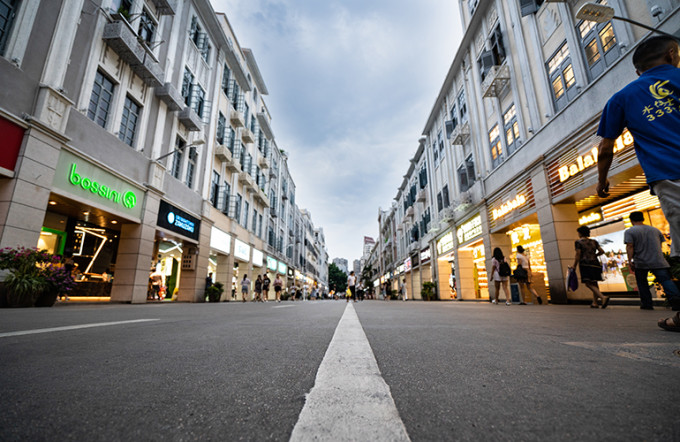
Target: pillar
192, 282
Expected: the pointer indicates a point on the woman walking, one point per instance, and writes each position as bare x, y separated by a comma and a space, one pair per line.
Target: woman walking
245, 287
278, 284
266, 282
258, 289
587, 257
523, 275
500, 274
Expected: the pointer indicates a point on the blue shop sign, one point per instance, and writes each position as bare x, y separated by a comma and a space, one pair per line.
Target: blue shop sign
178, 221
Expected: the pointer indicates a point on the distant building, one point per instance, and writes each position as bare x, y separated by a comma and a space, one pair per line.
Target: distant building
357, 266
341, 263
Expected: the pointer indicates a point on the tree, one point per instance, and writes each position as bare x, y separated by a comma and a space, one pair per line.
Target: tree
337, 278
367, 276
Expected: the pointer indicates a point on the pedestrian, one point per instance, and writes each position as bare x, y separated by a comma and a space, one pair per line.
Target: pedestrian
500, 274
258, 289
245, 287
523, 276
278, 284
587, 259
208, 281
351, 284
650, 108
402, 291
266, 283
643, 245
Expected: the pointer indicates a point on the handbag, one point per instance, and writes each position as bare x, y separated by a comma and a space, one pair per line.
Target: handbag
520, 272
572, 280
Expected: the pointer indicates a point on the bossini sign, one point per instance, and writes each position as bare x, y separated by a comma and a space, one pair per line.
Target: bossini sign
84, 180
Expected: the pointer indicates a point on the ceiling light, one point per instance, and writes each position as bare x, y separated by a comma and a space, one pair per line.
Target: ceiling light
114, 222
53, 203
86, 213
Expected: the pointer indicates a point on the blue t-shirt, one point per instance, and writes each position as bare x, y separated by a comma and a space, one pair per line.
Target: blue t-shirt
650, 108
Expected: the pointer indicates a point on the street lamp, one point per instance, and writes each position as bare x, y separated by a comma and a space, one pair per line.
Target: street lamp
195, 144
603, 13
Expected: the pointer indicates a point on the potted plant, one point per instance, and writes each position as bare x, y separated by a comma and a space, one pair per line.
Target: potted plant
28, 274
427, 291
214, 292
58, 282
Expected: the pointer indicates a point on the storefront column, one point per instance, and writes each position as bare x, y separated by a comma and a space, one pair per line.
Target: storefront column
135, 255
225, 271
192, 282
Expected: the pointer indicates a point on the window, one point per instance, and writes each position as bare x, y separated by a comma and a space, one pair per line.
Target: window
422, 177
472, 6
191, 166
440, 202
599, 46
100, 100
221, 128
195, 32
232, 139
147, 27
237, 209
215, 189
226, 197
178, 157
466, 174
8, 11
235, 94
253, 225
529, 6
246, 211
496, 146
445, 196
226, 76
454, 119
205, 50
259, 225
561, 75
198, 101
495, 56
187, 86
511, 125
246, 113
435, 154
128, 122
462, 106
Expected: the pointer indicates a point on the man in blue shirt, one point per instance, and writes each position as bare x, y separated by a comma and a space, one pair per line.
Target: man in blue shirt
650, 108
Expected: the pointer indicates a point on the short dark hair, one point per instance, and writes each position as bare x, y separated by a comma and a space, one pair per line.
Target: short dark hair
637, 216
650, 51
584, 231
520, 249
498, 254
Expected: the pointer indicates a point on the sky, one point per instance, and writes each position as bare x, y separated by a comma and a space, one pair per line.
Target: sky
351, 85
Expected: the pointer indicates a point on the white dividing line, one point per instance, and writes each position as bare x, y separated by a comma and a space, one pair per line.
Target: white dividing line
284, 306
71, 327
350, 400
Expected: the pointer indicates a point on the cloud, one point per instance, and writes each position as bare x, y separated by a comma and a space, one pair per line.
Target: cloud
351, 84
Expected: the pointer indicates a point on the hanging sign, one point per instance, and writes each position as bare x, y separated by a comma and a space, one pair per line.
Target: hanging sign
178, 221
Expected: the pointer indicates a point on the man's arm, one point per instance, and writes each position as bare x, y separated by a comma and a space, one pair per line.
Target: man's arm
604, 162
630, 250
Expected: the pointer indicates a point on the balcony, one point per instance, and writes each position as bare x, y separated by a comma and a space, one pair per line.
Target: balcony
265, 125
496, 79
170, 96
233, 164
164, 7
447, 214
422, 196
273, 173
261, 196
223, 154
460, 134
245, 178
272, 212
236, 118
190, 119
409, 213
247, 136
120, 37
284, 195
400, 228
263, 163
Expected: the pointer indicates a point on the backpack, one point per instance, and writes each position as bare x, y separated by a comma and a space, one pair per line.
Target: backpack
504, 269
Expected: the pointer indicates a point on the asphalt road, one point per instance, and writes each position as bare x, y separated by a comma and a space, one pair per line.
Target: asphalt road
232, 371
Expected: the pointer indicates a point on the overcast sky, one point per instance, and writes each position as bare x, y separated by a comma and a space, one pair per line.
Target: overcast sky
351, 84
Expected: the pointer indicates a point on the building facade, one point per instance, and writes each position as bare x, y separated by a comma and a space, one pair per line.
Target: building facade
511, 151
148, 152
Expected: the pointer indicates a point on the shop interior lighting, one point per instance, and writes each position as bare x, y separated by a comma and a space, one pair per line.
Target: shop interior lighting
86, 213
53, 203
94, 232
114, 222
175, 245
603, 13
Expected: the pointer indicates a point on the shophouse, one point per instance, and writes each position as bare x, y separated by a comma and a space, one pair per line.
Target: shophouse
148, 152
517, 115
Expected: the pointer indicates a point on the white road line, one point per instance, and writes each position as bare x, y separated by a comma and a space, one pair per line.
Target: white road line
71, 327
350, 400
284, 306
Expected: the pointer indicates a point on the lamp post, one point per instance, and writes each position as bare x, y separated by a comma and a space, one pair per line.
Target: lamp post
194, 144
602, 13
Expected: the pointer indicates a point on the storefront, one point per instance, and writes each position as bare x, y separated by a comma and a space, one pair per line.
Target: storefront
408, 277
219, 263
242, 266
571, 177
472, 281
426, 269
87, 208
175, 251
446, 267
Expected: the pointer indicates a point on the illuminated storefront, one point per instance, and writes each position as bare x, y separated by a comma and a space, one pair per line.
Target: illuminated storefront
471, 279
446, 267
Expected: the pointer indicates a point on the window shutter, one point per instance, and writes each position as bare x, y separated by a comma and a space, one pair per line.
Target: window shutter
528, 7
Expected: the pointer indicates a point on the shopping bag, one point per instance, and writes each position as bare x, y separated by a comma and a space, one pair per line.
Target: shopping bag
572, 279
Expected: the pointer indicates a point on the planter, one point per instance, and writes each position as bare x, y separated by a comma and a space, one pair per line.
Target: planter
46, 299
15, 299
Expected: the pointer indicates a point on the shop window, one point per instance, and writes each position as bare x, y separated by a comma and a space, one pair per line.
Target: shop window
147, 27
496, 146
561, 75
511, 125
8, 11
599, 45
215, 189
495, 56
100, 100
128, 122
191, 167
187, 86
445, 196
178, 157
221, 128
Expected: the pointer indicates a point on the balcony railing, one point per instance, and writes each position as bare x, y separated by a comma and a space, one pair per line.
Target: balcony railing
409, 212
247, 136
496, 79
237, 119
422, 196
234, 164
124, 41
223, 153
460, 134
263, 163
170, 96
265, 125
190, 119
164, 7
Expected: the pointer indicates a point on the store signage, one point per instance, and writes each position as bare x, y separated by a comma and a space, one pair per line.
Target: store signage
590, 218
241, 250
401, 268
291, 273
470, 230
12, 137
446, 242
84, 180
282, 268
258, 258
178, 221
272, 264
407, 265
220, 240
589, 159
425, 255
509, 206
